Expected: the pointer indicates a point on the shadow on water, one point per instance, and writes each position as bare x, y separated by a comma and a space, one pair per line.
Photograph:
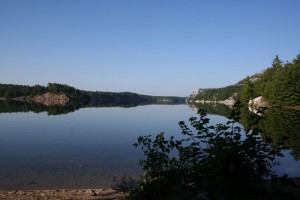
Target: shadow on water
280, 126
283, 127
217, 109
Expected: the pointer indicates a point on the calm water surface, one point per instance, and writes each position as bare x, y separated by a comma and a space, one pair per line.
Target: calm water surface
86, 148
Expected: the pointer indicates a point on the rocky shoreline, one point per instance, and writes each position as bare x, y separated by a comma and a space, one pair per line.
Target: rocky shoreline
47, 99
65, 194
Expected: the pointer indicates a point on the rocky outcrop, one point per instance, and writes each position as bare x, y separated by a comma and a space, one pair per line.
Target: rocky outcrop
196, 92
49, 99
258, 105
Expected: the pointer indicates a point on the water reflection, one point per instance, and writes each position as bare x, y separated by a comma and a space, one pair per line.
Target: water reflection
283, 127
280, 127
211, 108
12, 106
83, 149
87, 148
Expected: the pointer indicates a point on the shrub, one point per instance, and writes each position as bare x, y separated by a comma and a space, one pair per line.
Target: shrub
209, 159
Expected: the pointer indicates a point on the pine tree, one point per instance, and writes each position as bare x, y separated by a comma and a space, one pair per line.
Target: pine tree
247, 92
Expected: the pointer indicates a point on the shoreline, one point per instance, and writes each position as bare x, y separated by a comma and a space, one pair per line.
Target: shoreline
291, 185
66, 194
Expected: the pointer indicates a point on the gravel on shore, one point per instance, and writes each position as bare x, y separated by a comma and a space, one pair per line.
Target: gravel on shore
62, 194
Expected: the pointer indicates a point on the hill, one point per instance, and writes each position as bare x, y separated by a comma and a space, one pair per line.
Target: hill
227, 95
279, 85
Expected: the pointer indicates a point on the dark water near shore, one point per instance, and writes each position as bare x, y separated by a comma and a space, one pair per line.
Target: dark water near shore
89, 147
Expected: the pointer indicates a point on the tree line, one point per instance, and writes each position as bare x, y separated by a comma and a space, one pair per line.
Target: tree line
86, 97
219, 94
13, 91
279, 84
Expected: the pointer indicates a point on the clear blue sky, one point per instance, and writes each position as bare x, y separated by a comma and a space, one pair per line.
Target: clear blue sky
155, 47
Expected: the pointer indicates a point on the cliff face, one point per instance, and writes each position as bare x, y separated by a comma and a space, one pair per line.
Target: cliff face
49, 99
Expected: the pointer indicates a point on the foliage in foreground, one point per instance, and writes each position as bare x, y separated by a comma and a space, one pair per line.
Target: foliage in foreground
215, 160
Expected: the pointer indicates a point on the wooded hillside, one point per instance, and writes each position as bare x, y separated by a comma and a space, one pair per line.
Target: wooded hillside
279, 84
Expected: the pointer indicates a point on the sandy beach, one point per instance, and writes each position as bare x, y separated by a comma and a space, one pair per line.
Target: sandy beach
61, 194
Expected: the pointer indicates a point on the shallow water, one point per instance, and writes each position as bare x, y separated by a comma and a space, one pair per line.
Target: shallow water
86, 148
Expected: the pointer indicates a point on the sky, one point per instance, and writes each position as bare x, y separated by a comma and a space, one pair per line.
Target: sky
153, 47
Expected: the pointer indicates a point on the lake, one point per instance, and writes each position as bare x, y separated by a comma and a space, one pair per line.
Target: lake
87, 148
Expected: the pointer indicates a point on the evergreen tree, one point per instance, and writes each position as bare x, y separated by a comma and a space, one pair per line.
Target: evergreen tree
276, 62
247, 92
280, 85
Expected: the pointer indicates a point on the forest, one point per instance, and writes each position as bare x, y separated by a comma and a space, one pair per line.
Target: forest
11, 91
279, 84
219, 94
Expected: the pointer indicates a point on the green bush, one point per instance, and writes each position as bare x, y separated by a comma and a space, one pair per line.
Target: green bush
215, 160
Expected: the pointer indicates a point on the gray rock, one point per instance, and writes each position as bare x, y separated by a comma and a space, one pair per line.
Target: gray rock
257, 105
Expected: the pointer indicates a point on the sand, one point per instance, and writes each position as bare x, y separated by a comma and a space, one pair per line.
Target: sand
62, 194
